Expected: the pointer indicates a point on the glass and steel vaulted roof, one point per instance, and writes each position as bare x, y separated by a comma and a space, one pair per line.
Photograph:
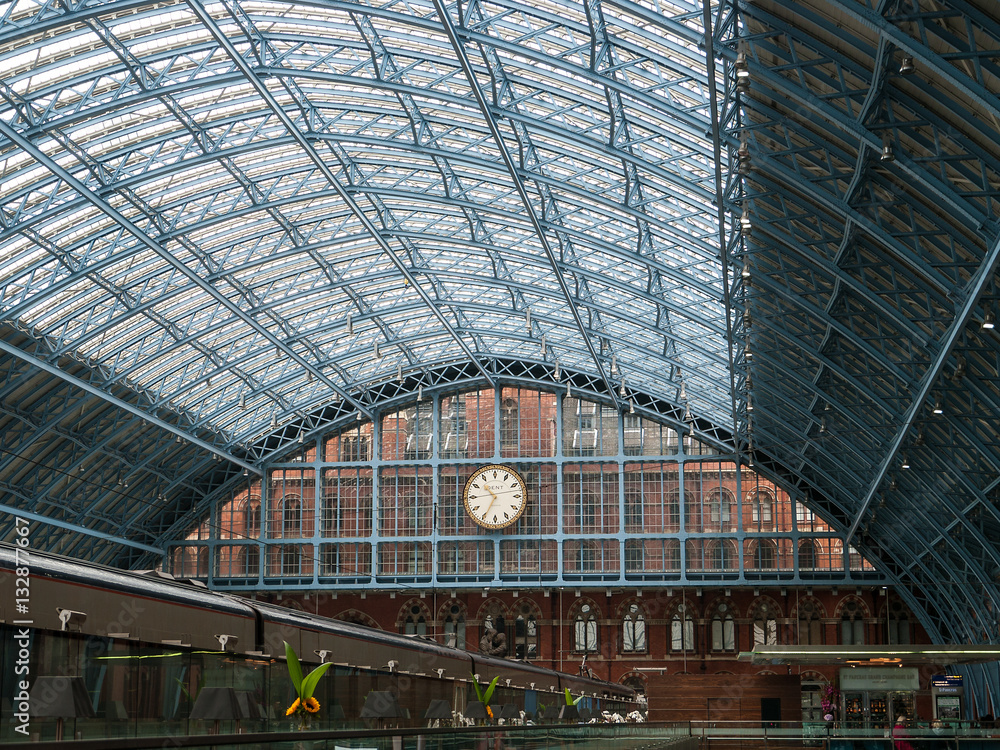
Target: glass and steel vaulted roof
224, 226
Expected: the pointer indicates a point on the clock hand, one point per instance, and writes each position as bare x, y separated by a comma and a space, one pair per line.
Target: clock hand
491, 501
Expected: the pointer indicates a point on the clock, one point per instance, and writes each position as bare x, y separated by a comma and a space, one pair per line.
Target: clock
495, 496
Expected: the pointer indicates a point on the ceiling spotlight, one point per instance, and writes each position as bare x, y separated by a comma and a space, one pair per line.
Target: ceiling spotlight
687, 414
749, 403
569, 392
420, 393
246, 472
746, 226
543, 346
905, 462
274, 421
243, 401
989, 321
748, 355
300, 438
631, 406
741, 66
937, 408
375, 349
745, 275
557, 370
683, 394
743, 158
350, 324
621, 388
887, 154
822, 426
614, 363
906, 66
399, 372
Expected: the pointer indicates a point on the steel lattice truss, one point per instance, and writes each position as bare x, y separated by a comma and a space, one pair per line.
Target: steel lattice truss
869, 185
225, 226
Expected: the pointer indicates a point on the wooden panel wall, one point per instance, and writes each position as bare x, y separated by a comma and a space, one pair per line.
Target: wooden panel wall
721, 697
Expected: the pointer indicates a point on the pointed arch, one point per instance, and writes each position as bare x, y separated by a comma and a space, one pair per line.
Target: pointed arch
453, 615
414, 618
585, 616
526, 617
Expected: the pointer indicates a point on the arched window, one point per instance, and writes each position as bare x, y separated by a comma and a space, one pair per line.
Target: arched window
765, 555
720, 508
526, 636
722, 554
634, 630
762, 509
415, 622
899, 623
681, 630
291, 516
723, 629
807, 554
454, 627
251, 518
585, 630
765, 625
810, 625
248, 561
291, 560
852, 625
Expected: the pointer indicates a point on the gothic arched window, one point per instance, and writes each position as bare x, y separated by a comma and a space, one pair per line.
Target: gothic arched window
585, 630
681, 630
454, 627
634, 630
723, 629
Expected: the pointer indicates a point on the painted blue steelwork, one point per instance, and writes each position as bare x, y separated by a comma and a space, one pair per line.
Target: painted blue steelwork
237, 227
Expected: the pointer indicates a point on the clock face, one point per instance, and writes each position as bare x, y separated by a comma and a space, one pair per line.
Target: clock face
495, 496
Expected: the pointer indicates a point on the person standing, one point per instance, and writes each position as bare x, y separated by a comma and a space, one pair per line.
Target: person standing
901, 735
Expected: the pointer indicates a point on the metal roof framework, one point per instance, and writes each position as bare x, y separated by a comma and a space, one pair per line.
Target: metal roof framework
227, 225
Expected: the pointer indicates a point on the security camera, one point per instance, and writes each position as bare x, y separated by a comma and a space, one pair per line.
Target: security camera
68, 617
225, 639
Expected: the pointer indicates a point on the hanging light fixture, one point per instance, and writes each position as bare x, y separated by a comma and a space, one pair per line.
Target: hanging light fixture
822, 426
274, 421
375, 349
527, 318
938, 409
631, 406
621, 388
683, 394
569, 392
243, 401
906, 66
687, 414
743, 162
557, 370
887, 154
989, 321
399, 372
350, 324
746, 225
905, 462
420, 393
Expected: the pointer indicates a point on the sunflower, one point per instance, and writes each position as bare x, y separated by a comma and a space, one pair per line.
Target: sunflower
293, 708
311, 705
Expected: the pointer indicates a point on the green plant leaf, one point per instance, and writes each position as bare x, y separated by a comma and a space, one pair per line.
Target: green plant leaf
577, 701
569, 698
310, 682
479, 690
489, 691
294, 668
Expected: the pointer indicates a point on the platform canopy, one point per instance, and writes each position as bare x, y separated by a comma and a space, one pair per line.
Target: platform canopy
770, 223
890, 656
